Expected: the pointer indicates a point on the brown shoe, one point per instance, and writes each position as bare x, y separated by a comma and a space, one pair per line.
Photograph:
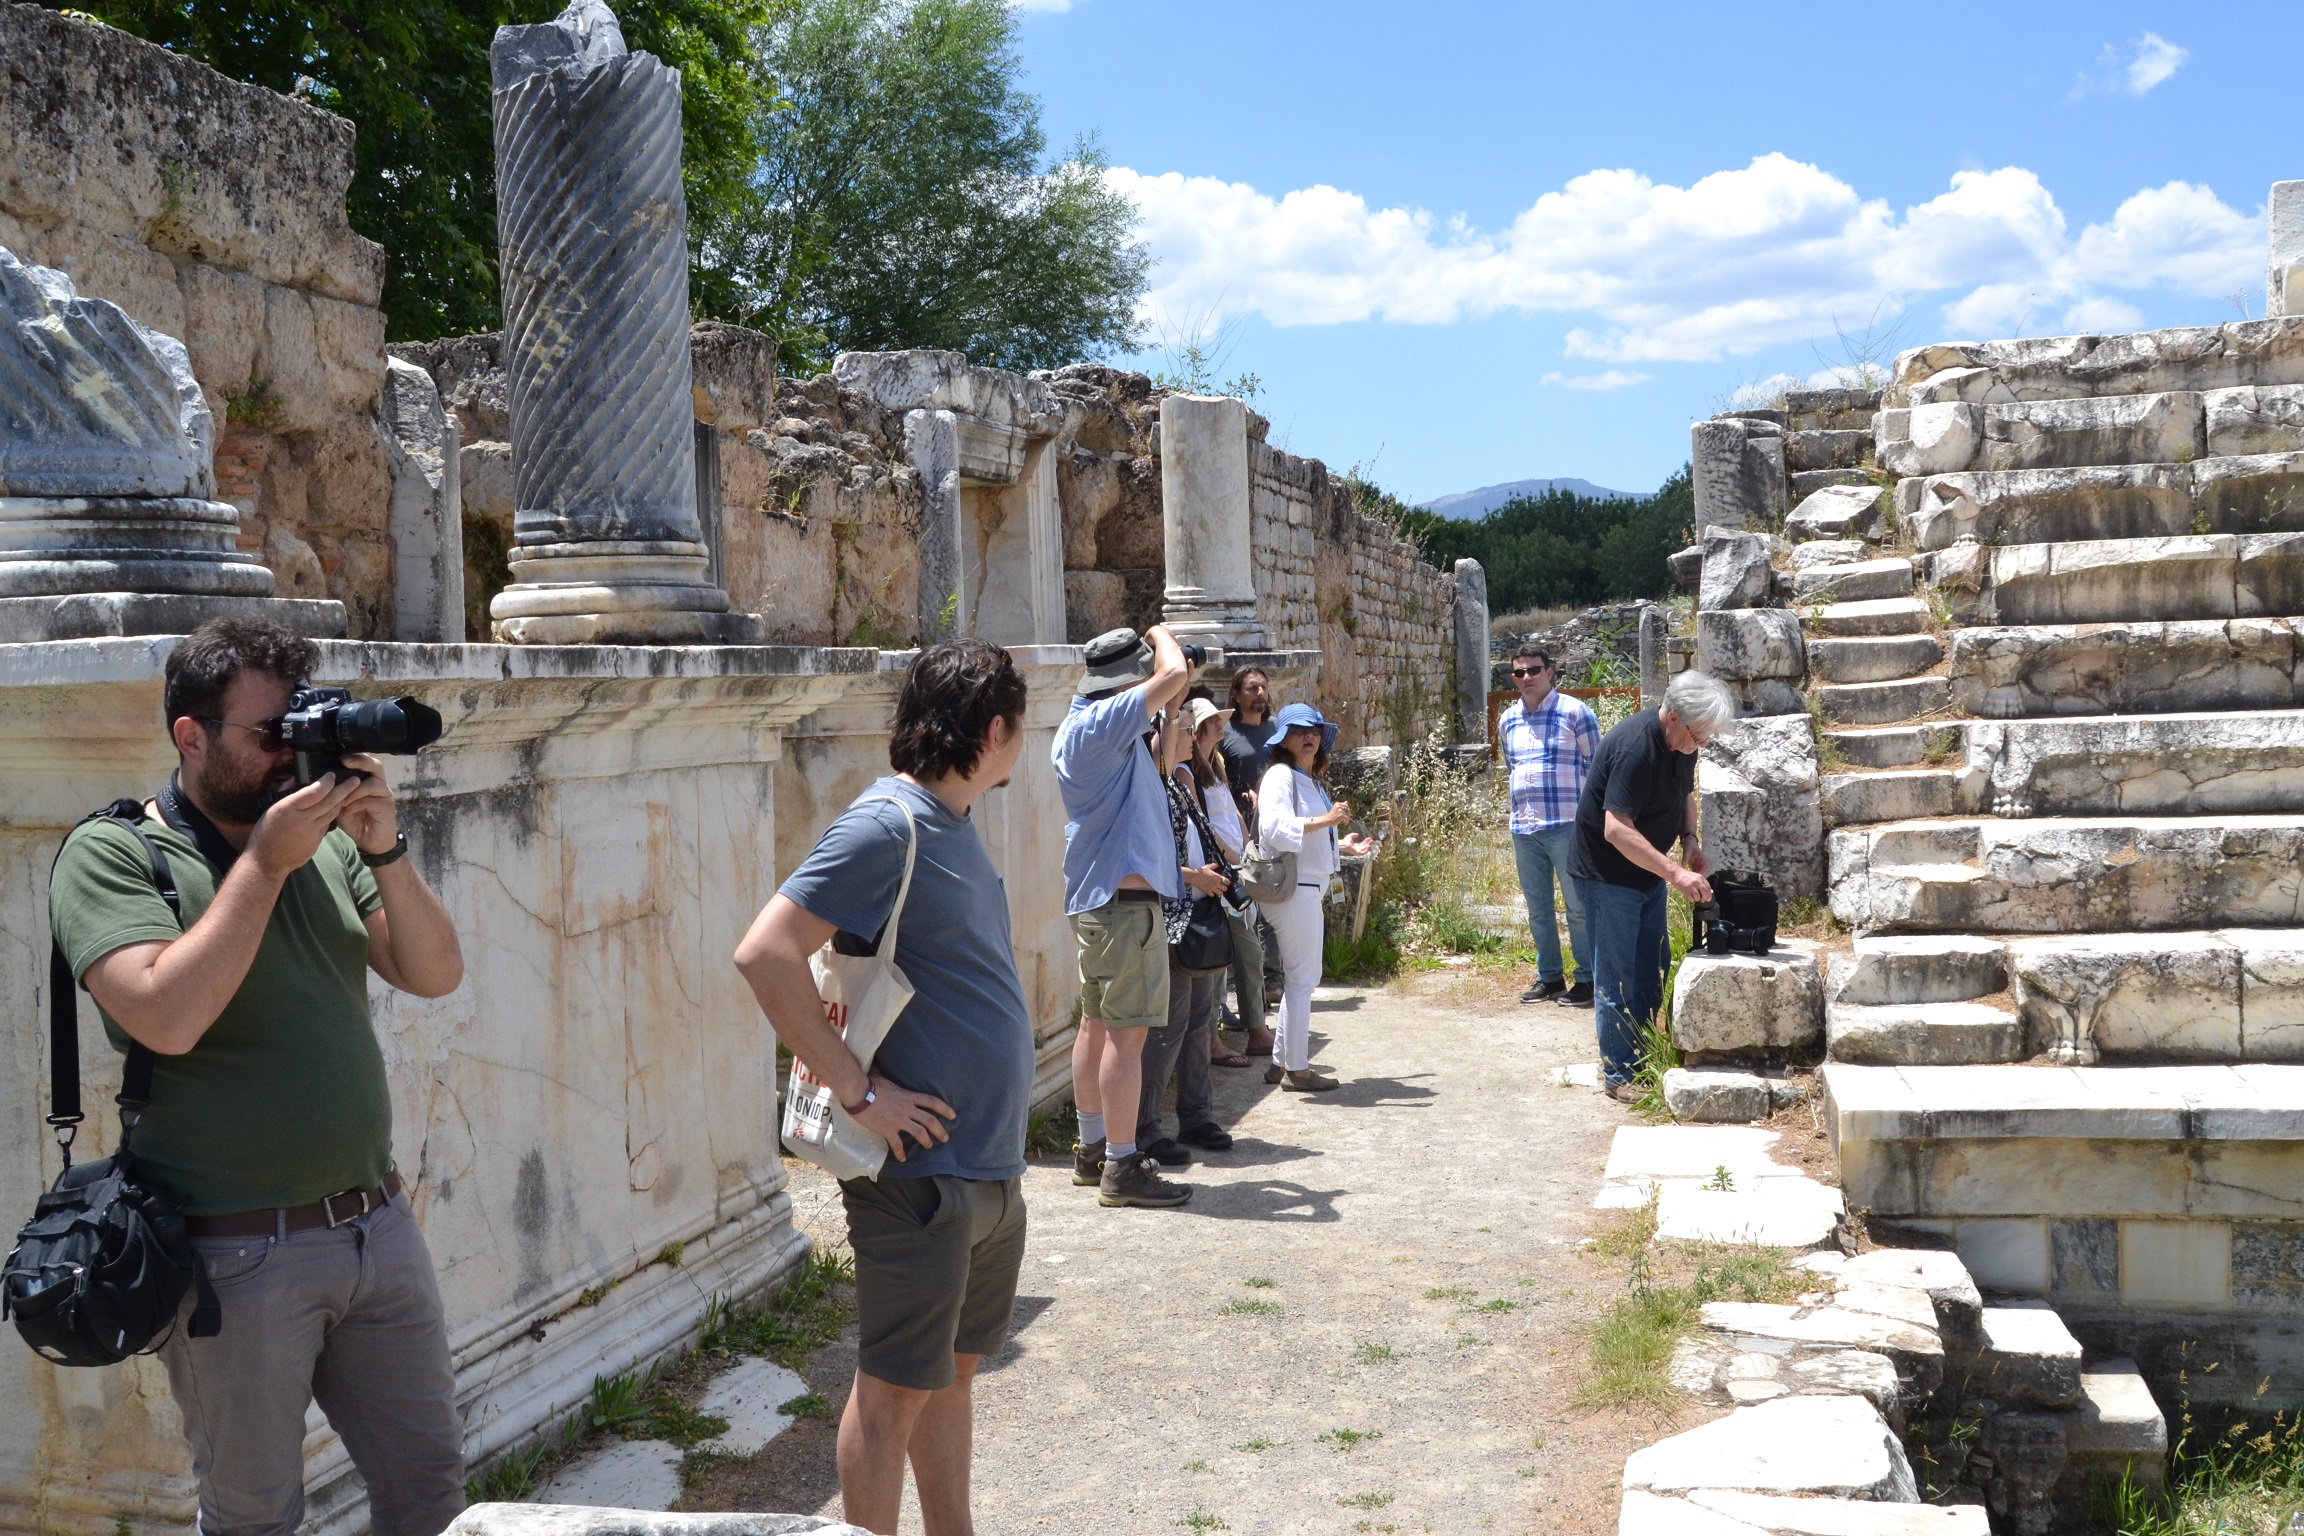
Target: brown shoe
1307, 1082
1273, 1074
1088, 1163
1131, 1181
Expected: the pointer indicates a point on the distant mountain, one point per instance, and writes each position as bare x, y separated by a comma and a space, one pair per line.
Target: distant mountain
1471, 505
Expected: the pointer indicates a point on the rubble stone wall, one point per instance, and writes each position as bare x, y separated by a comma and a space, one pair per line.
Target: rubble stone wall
213, 211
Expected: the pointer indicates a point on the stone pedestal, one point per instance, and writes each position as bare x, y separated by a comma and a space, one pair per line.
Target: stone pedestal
1471, 657
1737, 463
592, 228
1211, 591
108, 522
1652, 662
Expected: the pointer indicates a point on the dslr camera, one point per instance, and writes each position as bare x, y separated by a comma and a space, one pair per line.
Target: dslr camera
1204, 655
322, 724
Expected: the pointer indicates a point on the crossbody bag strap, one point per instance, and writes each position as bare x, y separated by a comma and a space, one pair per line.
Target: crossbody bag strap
887, 946
64, 1112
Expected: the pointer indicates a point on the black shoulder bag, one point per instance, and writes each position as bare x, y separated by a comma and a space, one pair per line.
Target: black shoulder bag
101, 1270
1206, 947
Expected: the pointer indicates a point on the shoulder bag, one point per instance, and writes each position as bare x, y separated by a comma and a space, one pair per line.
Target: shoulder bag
862, 995
1268, 878
100, 1271
1206, 946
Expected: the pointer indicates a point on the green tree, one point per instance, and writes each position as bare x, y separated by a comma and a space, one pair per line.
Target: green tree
413, 77
1561, 550
905, 201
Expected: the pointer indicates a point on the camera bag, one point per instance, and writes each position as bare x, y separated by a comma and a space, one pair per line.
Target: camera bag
1748, 907
1206, 947
100, 1271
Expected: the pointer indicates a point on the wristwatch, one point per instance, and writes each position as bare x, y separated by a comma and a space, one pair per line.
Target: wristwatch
862, 1104
398, 850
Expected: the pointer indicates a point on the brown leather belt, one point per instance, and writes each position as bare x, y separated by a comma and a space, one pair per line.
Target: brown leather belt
332, 1211
1134, 893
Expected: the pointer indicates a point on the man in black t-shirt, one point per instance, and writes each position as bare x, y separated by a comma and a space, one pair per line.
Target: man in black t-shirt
1638, 801
1247, 743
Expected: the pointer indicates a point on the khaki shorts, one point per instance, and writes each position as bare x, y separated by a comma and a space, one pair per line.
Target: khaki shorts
1123, 964
936, 1267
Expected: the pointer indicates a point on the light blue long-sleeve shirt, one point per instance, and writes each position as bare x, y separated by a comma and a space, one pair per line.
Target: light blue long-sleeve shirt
1116, 814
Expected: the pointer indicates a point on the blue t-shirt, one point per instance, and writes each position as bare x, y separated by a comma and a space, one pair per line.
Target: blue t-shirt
966, 1036
1116, 813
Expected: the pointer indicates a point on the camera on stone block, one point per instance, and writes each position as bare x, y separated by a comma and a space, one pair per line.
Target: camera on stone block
322, 724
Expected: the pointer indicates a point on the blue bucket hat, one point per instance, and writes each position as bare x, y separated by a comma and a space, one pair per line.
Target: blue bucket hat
1305, 717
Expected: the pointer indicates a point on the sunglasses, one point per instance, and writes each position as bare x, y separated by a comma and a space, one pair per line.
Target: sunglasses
1530, 671
267, 731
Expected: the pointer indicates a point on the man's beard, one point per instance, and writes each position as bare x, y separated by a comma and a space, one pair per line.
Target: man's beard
229, 794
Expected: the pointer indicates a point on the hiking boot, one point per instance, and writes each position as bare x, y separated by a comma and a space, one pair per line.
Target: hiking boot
1577, 996
1167, 1154
1543, 990
1208, 1138
1088, 1162
1131, 1181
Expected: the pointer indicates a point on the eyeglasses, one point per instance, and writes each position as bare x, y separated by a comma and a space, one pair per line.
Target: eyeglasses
268, 730
1530, 671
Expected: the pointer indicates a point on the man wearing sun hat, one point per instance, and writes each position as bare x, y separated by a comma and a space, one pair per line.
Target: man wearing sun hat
1119, 861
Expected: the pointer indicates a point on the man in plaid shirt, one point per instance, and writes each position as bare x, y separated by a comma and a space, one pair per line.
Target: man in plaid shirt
1548, 740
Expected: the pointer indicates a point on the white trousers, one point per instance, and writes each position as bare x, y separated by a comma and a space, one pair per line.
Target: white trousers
1296, 924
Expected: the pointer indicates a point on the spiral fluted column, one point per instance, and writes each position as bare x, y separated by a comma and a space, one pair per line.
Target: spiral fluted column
592, 236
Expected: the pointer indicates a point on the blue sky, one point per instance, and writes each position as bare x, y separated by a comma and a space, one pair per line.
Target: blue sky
1464, 243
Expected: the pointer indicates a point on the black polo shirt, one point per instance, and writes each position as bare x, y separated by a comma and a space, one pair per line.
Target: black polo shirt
1640, 778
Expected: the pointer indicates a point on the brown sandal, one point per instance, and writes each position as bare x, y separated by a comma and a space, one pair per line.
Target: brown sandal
1229, 1059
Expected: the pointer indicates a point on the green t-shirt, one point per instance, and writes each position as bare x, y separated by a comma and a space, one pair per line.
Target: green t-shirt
284, 1098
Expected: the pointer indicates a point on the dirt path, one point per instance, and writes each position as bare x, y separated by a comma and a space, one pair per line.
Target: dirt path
1368, 1319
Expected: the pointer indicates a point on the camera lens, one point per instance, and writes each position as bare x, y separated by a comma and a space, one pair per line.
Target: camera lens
386, 725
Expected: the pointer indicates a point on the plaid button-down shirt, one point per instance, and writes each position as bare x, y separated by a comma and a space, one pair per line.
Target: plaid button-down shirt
1548, 752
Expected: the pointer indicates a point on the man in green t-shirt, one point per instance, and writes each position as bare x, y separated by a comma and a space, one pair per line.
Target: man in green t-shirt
270, 1121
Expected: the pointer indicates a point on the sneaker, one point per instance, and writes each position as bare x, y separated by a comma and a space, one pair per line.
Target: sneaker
1577, 996
1208, 1138
1088, 1163
1131, 1181
1167, 1154
1544, 989
1307, 1082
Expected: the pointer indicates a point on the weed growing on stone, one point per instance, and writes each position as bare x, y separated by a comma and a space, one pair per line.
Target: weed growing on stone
807, 1314
2246, 1476
1249, 1307
1666, 1287
1348, 1439
1722, 1180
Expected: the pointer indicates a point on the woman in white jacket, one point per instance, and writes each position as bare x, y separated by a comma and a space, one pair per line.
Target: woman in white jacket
1295, 815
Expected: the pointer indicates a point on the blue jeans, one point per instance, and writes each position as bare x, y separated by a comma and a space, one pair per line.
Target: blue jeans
1542, 858
1629, 958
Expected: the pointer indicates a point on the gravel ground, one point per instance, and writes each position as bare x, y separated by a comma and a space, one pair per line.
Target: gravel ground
1368, 1319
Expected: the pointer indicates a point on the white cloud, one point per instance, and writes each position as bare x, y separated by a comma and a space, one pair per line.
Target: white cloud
1042, 5
1613, 378
2145, 63
1774, 251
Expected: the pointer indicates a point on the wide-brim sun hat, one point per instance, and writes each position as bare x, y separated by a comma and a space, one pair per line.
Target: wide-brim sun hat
1294, 717
1201, 711
1116, 658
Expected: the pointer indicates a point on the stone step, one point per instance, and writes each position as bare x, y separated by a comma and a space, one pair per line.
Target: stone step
1807, 482
2244, 493
1835, 1446
1827, 448
2168, 427
2234, 994
2157, 1205
1847, 511
1917, 968
2118, 1429
2069, 874
1898, 746
1862, 581
2134, 363
1828, 552
1872, 658
2186, 764
2028, 1356
1877, 616
1902, 794
1923, 1034
1726, 1512
1882, 703
2008, 672
2096, 581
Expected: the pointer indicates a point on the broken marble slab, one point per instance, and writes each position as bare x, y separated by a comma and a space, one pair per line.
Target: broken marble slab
1838, 1446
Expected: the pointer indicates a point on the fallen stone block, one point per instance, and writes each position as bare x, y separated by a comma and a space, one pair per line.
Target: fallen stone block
1711, 1097
1739, 1004
1735, 570
1840, 1517
1687, 568
1807, 482
1859, 1371
1832, 1445
2028, 1356
1642, 1157
1917, 1353
1837, 512
1742, 643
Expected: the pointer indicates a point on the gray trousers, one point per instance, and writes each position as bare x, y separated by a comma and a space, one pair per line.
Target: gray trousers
1180, 1046
349, 1317
1247, 970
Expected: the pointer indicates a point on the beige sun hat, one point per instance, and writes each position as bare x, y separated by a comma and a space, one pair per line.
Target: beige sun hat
1201, 711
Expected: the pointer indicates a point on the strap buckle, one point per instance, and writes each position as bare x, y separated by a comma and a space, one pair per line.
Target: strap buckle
328, 1207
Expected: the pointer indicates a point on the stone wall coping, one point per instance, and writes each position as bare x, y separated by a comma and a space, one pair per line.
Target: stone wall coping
2246, 1102
54, 663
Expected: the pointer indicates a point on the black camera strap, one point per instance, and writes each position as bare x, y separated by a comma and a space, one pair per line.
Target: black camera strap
64, 1008
177, 809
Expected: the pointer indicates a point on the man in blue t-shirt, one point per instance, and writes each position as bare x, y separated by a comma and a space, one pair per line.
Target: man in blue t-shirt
939, 1235
1119, 861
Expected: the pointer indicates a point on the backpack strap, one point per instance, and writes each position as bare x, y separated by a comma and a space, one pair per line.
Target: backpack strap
64, 1009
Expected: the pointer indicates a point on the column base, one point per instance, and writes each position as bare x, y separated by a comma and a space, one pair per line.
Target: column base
617, 592
54, 545
1233, 626
111, 615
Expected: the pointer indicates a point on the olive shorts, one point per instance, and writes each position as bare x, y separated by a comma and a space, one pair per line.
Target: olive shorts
1123, 964
936, 1267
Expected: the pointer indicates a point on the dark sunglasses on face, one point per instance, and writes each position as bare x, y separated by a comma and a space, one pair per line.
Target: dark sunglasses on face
267, 730
1530, 671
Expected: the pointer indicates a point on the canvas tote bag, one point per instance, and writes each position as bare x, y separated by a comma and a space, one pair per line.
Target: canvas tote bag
862, 996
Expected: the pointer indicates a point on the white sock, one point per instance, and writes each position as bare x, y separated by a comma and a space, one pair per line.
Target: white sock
1091, 1129
1117, 1151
